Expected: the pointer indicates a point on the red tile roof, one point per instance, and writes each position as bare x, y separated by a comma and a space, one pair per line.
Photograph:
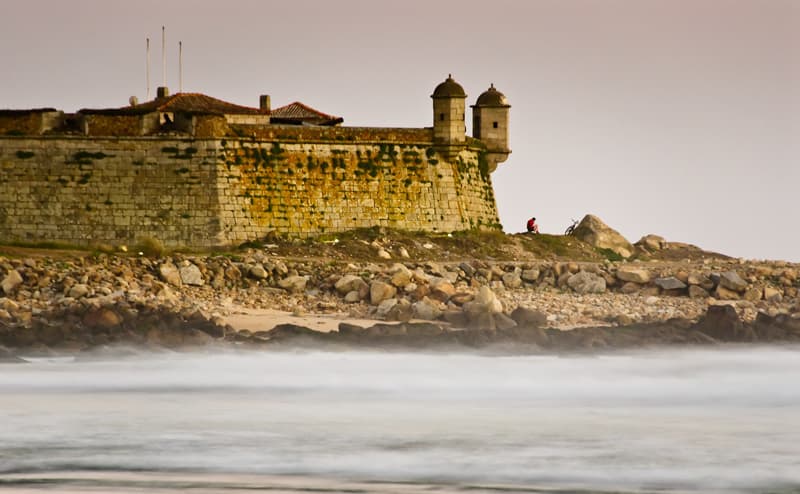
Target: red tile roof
181, 102
298, 113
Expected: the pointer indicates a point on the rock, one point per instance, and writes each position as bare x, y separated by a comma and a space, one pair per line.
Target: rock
403, 253
426, 309
169, 274
630, 287
11, 281
294, 284
652, 242
530, 275
593, 231
722, 323
380, 291
670, 283
383, 254
512, 280
502, 322
441, 289
732, 281
529, 317
701, 280
753, 294
102, 318
353, 297
233, 273
485, 301
8, 304
633, 274
651, 300
584, 282
78, 291
467, 268
191, 275
394, 310
723, 293
697, 292
258, 272
5, 315
772, 295
349, 283
401, 276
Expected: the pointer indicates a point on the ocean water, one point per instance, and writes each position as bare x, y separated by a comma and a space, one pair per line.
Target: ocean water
660, 421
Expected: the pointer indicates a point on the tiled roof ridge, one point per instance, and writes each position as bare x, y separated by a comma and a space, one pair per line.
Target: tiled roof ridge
306, 108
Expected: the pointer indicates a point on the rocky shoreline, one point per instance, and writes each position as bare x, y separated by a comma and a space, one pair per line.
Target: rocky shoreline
76, 303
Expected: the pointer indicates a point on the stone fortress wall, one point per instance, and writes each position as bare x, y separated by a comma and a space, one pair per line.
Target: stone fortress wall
193, 171
216, 192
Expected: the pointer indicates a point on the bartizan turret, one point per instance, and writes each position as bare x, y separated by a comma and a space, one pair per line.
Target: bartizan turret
490, 125
449, 106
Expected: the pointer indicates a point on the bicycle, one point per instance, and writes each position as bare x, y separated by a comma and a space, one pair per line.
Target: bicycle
571, 228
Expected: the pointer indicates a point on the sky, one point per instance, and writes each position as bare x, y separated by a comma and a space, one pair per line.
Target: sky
674, 117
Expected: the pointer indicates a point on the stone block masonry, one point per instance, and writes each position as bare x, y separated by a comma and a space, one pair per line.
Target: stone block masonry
220, 192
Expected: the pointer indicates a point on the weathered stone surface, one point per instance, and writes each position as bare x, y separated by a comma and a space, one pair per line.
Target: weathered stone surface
652, 242
512, 280
485, 302
772, 294
426, 309
441, 289
8, 304
78, 290
11, 281
530, 275
723, 293
191, 275
294, 284
170, 274
380, 291
258, 272
383, 254
593, 231
630, 287
633, 274
669, 283
696, 291
584, 282
753, 294
349, 283
353, 297
732, 281
401, 276
394, 310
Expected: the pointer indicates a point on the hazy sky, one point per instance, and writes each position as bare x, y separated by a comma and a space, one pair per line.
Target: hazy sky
680, 118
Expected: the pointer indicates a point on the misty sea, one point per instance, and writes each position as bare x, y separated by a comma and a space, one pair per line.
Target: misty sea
688, 420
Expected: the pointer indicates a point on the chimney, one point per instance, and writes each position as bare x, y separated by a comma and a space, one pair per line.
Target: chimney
264, 103
162, 92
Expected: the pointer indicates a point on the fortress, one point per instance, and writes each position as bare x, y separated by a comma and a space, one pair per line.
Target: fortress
194, 171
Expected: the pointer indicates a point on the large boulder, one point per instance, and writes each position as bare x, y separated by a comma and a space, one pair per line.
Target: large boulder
294, 284
594, 232
352, 283
584, 282
190, 274
652, 243
633, 274
170, 274
732, 281
12, 280
380, 291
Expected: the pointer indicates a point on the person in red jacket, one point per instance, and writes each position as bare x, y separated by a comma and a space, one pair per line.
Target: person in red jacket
532, 226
